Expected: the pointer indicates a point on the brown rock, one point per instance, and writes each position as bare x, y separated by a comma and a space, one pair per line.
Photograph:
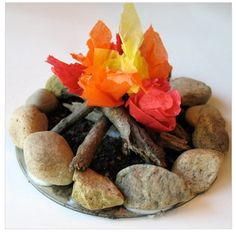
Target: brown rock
94, 191
193, 113
24, 121
214, 113
210, 134
47, 157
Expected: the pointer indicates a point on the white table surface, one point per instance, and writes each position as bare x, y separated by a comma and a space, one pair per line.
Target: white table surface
198, 39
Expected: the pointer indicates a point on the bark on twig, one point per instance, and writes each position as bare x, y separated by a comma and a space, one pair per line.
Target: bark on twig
168, 140
87, 149
92, 116
180, 132
77, 114
135, 138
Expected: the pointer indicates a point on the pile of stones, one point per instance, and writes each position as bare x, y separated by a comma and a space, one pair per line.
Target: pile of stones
142, 188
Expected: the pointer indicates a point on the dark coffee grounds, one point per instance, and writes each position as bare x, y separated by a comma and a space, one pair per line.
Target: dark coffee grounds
75, 134
61, 112
109, 159
55, 117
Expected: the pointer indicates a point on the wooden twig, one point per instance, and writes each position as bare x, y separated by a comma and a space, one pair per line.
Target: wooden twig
168, 140
135, 138
77, 114
87, 149
180, 132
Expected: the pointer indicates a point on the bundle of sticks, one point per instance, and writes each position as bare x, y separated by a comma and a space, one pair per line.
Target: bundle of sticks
134, 137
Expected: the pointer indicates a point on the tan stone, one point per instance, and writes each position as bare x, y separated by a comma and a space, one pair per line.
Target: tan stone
47, 157
193, 113
94, 191
151, 188
198, 167
44, 100
210, 134
24, 121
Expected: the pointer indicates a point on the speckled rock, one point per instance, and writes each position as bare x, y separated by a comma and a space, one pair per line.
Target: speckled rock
192, 92
44, 100
193, 113
55, 86
24, 121
47, 157
198, 167
148, 187
210, 134
94, 191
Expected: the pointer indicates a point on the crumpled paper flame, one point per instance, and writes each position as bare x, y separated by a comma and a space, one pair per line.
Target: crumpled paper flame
155, 54
110, 70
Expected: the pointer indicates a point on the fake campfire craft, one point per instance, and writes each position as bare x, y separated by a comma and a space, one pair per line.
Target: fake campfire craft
118, 130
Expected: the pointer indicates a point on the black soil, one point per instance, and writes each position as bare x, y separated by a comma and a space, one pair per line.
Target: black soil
55, 117
109, 159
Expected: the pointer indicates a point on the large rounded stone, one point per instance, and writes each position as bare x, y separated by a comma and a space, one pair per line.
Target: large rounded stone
151, 188
24, 121
193, 114
47, 157
44, 100
192, 92
94, 191
198, 167
210, 134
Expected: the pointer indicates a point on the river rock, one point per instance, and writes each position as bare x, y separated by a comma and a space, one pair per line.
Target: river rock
210, 134
44, 100
193, 113
151, 188
198, 167
55, 86
47, 157
192, 92
94, 191
24, 121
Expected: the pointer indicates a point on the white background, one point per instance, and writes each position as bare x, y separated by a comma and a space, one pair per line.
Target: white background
198, 40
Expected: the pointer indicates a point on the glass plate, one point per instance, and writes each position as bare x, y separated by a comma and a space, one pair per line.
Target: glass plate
62, 196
